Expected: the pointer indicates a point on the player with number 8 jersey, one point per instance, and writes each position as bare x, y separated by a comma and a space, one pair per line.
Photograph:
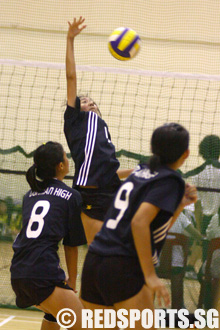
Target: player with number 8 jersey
119, 267
48, 217
50, 214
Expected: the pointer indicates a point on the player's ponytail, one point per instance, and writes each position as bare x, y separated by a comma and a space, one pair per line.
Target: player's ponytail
168, 143
32, 180
46, 158
154, 163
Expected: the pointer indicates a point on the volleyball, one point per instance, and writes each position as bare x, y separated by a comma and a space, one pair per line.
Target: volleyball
124, 43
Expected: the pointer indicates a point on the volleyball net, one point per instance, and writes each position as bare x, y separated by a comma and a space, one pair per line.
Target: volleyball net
174, 78
132, 102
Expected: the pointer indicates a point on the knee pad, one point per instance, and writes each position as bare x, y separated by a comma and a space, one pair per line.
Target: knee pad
49, 317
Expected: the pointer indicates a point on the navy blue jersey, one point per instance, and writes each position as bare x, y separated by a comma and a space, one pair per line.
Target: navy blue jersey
163, 189
91, 148
48, 218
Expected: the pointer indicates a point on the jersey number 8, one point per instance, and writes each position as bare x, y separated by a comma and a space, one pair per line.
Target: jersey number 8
37, 218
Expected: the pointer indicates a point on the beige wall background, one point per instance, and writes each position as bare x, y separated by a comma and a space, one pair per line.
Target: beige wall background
180, 36
177, 36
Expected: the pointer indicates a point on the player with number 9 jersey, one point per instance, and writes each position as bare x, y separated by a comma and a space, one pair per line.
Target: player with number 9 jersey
51, 213
119, 267
163, 188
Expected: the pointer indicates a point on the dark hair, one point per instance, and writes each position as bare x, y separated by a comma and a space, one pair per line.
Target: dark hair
168, 143
99, 112
209, 147
46, 158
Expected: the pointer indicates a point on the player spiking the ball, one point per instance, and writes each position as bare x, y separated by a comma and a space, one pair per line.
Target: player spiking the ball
96, 167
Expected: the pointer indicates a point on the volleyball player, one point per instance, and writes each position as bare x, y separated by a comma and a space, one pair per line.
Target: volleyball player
96, 167
51, 212
119, 267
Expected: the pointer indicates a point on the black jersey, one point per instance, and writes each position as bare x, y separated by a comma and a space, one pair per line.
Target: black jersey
48, 218
91, 148
163, 189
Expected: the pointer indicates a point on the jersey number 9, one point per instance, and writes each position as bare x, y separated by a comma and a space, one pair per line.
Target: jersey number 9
120, 204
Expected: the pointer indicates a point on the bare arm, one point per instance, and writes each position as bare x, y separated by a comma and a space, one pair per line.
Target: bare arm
140, 226
71, 256
124, 173
73, 31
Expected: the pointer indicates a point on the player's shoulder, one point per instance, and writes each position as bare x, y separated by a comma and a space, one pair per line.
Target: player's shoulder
163, 173
56, 189
167, 174
71, 114
163, 180
25, 197
174, 180
62, 185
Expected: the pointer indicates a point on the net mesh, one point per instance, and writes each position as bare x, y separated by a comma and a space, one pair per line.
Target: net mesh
134, 97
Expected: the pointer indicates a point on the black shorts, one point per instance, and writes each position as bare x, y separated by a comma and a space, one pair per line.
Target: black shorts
97, 201
108, 280
30, 292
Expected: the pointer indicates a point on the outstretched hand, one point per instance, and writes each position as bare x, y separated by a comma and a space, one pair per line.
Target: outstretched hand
74, 28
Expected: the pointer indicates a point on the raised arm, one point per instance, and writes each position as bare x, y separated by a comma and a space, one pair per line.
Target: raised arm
74, 30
